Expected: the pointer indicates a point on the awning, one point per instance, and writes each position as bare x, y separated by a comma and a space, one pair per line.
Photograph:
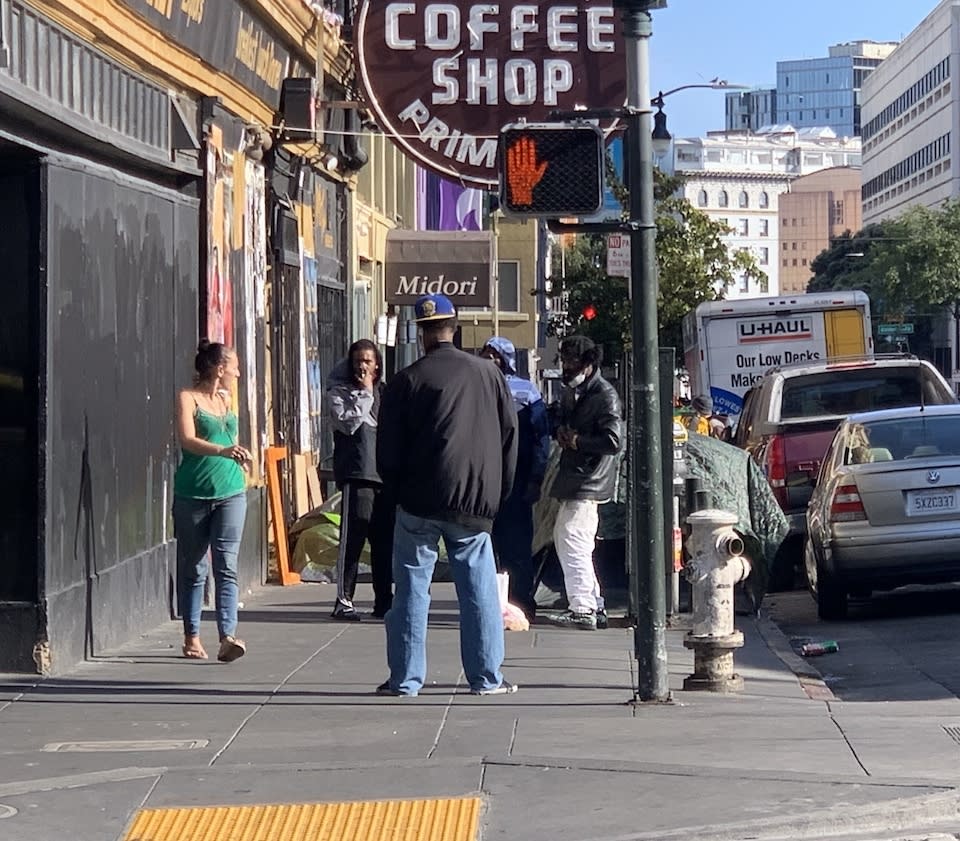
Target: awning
452, 263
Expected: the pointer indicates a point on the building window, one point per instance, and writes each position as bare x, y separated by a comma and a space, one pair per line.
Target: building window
803, 262
793, 246
744, 227
764, 227
745, 283
836, 213
702, 199
724, 199
508, 286
744, 199
764, 256
784, 262
794, 261
764, 200
785, 247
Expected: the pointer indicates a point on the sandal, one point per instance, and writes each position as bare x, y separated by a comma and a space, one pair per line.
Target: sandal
231, 649
194, 652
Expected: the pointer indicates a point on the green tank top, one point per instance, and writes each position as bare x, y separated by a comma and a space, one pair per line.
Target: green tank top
210, 477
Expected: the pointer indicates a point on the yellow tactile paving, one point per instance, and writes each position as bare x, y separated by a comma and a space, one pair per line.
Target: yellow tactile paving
453, 819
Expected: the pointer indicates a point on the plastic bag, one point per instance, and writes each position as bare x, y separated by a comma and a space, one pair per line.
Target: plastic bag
514, 619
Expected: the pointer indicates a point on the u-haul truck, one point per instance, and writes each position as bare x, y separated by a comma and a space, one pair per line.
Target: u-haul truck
728, 345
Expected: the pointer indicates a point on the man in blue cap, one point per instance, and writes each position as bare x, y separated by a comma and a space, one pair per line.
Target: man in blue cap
447, 448
513, 528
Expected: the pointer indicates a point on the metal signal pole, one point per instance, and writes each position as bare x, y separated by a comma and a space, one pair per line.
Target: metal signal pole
646, 473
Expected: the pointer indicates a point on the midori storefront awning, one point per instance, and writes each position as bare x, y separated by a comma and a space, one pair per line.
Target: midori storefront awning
452, 263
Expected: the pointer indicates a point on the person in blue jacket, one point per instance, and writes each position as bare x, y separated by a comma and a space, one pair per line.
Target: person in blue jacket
513, 527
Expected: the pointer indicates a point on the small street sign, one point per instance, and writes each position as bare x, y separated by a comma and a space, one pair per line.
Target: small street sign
894, 329
618, 255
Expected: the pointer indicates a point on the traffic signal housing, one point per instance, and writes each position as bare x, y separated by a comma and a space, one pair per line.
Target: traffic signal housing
551, 169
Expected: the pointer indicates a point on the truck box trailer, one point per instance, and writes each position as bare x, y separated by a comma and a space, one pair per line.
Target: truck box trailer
728, 345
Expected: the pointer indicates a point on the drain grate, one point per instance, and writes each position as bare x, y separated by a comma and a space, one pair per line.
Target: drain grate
953, 731
125, 746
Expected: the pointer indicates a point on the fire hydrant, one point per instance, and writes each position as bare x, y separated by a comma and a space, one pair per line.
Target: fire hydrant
716, 564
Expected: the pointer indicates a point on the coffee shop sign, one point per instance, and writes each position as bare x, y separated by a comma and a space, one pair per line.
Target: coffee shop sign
443, 78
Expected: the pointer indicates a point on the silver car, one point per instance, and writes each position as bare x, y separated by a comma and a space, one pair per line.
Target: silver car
885, 511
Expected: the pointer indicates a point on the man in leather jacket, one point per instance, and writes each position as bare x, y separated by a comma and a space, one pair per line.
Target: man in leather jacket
590, 434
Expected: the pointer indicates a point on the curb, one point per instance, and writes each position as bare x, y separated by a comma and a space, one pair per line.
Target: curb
912, 814
811, 681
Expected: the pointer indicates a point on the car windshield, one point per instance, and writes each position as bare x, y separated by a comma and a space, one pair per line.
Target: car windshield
846, 391
902, 438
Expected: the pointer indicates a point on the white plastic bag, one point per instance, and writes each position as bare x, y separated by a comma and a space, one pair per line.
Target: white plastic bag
514, 619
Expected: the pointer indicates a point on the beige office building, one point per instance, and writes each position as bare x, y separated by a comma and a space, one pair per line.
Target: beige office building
818, 208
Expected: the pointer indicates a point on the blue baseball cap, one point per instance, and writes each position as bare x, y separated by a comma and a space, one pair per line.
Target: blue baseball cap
433, 308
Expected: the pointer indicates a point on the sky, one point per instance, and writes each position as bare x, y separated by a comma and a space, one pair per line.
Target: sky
742, 41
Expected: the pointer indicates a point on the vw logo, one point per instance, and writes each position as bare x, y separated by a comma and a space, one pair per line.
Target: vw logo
933, 476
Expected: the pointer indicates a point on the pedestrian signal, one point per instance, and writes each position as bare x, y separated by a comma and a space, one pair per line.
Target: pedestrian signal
551, 169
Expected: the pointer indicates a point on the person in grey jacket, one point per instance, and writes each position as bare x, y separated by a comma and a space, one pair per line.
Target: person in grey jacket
590, 434
367, 512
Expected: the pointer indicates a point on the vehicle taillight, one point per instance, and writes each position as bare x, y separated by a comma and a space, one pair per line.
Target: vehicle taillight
846, 505
776, 464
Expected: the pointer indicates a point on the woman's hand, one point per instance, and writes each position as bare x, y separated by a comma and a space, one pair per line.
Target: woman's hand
241, 455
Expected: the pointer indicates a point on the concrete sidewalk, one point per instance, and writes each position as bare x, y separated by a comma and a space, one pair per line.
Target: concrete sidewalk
567, 757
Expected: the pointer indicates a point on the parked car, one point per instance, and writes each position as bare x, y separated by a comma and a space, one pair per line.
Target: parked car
792, 413
886, 508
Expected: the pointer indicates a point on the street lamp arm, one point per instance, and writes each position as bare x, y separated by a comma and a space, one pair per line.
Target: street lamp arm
718, 84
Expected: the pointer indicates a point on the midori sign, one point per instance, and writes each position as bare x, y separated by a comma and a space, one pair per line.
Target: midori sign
443, 78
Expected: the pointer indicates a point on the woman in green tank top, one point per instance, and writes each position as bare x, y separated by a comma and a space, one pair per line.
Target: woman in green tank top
209, 499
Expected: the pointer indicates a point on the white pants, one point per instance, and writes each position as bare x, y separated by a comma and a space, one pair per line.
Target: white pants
574, 535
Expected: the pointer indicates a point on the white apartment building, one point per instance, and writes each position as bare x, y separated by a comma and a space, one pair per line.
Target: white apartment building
910, 112
738, 177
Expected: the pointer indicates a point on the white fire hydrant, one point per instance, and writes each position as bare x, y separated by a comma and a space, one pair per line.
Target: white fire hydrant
716, 564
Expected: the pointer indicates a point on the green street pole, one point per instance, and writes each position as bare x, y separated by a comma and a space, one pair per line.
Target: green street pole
646, 473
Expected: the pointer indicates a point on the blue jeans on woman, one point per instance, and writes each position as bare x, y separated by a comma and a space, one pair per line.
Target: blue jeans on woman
217, 525
415, 551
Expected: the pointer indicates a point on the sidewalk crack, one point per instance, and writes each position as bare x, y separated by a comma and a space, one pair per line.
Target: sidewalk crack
273, 694
443, 718
850, 746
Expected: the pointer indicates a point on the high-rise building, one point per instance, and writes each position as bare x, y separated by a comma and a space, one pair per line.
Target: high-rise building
826, 91
911, 109
819, 208
751, 110
738, 178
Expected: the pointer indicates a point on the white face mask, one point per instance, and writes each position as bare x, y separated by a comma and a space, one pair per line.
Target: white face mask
577, 380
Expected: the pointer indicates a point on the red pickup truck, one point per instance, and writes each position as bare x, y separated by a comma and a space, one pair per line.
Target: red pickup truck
789, 418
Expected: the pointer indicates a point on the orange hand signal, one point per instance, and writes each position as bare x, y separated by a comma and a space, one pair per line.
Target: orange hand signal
523, 171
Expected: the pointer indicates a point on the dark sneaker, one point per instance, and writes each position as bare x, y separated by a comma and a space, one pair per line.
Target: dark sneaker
586, 621
385, 689
344, 613
505, 688
602, 621
379, 612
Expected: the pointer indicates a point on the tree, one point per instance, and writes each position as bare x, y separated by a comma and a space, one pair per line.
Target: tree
847, 263
694, 265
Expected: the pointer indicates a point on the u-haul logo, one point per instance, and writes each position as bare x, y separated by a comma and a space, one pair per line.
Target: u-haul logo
778, 329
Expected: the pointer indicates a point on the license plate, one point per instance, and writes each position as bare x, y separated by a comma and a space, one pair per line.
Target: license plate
931, 501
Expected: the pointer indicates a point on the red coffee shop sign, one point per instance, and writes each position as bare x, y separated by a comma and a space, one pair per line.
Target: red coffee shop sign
444, 78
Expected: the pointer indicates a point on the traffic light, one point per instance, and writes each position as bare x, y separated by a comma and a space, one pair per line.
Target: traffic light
589, 312
551, 169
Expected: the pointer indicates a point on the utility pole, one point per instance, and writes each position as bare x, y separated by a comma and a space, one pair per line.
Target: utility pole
646, 473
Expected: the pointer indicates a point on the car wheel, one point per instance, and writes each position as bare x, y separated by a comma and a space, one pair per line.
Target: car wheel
810, 567
831, 596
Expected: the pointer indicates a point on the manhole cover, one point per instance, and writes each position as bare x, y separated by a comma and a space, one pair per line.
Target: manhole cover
111, 747
6, 811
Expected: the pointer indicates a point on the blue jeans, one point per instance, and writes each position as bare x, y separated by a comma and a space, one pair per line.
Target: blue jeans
217, 525
415, 551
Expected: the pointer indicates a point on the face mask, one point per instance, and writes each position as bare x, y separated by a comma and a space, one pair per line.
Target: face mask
576, 381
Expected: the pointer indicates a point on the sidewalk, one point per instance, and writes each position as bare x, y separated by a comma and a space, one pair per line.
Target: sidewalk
567, 757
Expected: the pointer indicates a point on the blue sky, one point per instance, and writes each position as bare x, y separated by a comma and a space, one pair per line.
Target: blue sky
742, 41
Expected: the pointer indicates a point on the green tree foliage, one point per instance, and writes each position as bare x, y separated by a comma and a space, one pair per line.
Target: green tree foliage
694, 265
909, 267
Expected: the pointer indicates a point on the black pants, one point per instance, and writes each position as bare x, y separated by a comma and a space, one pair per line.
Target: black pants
513, 546
366, 514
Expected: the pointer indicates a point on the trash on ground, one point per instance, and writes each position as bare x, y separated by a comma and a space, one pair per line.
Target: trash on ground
815, 649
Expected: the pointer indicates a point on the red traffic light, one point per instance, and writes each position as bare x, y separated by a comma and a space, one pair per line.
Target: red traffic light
589, 312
